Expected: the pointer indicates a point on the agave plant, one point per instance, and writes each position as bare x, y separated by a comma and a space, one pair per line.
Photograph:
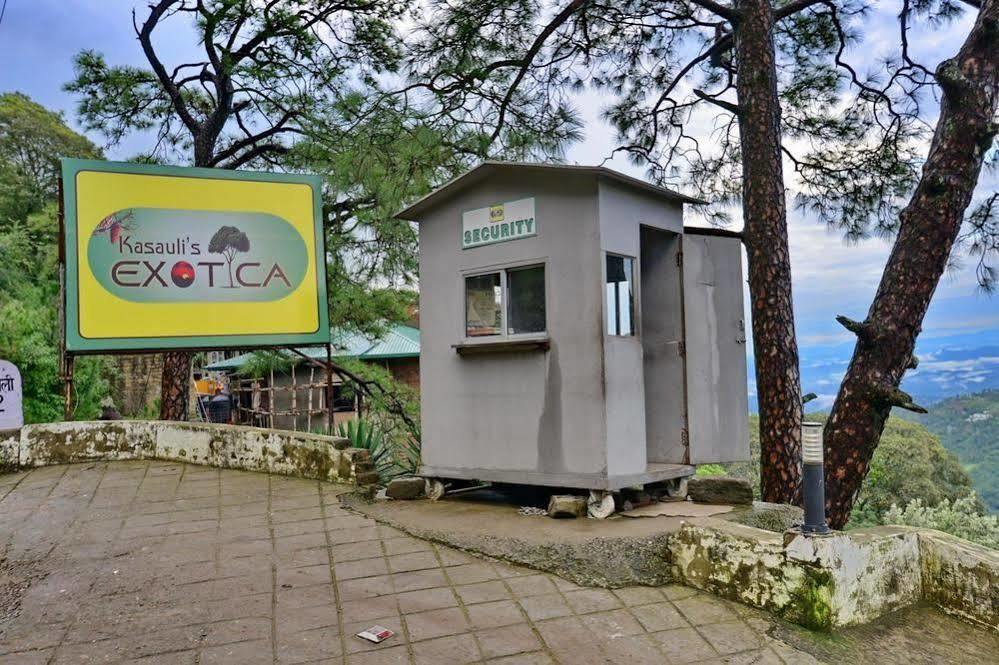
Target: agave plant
391, 457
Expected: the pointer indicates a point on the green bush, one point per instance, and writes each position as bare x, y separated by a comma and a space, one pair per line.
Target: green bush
962, 518
392, 456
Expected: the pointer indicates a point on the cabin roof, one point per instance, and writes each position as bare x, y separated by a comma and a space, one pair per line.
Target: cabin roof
487, 168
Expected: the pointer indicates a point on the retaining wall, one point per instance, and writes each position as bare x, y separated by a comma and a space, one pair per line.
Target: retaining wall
847, 578
227, 446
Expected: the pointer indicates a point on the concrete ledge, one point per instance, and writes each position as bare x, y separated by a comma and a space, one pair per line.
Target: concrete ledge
297, 454
959, 577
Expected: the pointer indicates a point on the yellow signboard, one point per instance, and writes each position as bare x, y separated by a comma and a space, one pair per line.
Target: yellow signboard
162, 257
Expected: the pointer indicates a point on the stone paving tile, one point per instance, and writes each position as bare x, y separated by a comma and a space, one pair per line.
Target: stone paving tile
152, 562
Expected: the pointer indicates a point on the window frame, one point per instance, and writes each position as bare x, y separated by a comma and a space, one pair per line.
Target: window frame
635, 315
504, 334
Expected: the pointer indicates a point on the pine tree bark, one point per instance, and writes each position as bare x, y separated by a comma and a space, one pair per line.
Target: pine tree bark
928, 227
778, 383
175, 389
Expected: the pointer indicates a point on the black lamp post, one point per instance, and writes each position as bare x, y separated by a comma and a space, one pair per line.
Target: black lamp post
813, 478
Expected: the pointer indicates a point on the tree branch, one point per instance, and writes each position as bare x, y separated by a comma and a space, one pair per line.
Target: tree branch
892, 396
729, 13
528, 59
858, 328
728, 106
145, 39
793, 8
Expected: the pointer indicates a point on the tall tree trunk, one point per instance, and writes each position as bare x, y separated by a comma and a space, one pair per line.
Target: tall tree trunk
928, 227
175, 389
778, 384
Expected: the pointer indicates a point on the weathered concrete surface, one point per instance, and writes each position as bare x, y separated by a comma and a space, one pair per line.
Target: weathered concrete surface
159, 562
9, 444
959, 577
606, 553
776, 517
823, 583
226, 446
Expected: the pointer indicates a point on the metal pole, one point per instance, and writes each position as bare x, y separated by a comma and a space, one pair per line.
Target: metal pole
65, 358
67, 393
329, 389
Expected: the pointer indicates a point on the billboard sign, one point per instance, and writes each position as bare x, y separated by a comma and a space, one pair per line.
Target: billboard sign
165, 258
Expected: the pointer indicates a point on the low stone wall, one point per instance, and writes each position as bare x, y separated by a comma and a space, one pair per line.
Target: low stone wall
841, 580
226, 446
959, 577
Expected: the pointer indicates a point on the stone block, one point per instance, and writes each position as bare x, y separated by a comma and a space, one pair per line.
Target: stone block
367, 478
566, 505
720, 489
406, 488
10, 447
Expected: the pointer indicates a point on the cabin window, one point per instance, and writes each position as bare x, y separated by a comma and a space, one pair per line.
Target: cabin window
483, 305
506, 302
620, 290
526, 289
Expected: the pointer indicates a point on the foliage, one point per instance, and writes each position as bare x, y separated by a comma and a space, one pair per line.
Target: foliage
711, 470
29, 326
910, 463
32, 139
391, 405
961, 518
261, 363
391, 457
258, 76
968, 426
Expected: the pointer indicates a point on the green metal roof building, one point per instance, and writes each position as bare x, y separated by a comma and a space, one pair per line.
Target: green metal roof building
399, 342
296, 398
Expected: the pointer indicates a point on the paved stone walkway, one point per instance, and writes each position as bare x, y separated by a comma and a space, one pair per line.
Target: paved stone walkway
168, 563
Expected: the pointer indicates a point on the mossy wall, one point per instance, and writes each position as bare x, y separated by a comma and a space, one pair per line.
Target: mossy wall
226, 446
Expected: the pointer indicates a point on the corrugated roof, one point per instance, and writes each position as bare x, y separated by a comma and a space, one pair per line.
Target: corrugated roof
477, 173
398, 342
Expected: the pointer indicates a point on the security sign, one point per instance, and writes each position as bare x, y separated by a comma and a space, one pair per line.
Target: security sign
498, 223
162, 257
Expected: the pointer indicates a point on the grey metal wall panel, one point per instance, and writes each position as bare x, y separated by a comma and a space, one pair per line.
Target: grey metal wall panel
662, 332
717, 400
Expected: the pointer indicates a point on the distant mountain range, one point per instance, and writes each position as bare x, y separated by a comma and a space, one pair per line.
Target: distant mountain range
968, 425
947, 367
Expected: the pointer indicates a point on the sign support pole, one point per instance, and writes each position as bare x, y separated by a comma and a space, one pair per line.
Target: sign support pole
329, 389
65, 358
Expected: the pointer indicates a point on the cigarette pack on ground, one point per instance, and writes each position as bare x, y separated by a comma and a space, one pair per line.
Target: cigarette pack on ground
376, 634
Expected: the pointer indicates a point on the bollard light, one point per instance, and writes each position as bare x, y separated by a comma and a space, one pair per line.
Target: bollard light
813, 479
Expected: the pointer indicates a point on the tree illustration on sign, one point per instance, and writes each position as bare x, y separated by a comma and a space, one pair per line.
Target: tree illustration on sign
228, 241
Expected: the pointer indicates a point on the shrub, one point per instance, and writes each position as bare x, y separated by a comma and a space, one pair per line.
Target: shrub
392, 456
961, 518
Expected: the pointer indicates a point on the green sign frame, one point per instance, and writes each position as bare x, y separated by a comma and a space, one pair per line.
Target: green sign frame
78, 343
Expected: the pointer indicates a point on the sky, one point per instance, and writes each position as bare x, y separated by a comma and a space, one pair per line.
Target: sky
959, 346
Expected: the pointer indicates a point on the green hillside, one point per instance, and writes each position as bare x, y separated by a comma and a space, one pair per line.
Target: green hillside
968, 426
909, 463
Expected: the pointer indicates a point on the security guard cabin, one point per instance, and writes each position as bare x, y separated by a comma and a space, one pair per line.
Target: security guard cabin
575, 333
